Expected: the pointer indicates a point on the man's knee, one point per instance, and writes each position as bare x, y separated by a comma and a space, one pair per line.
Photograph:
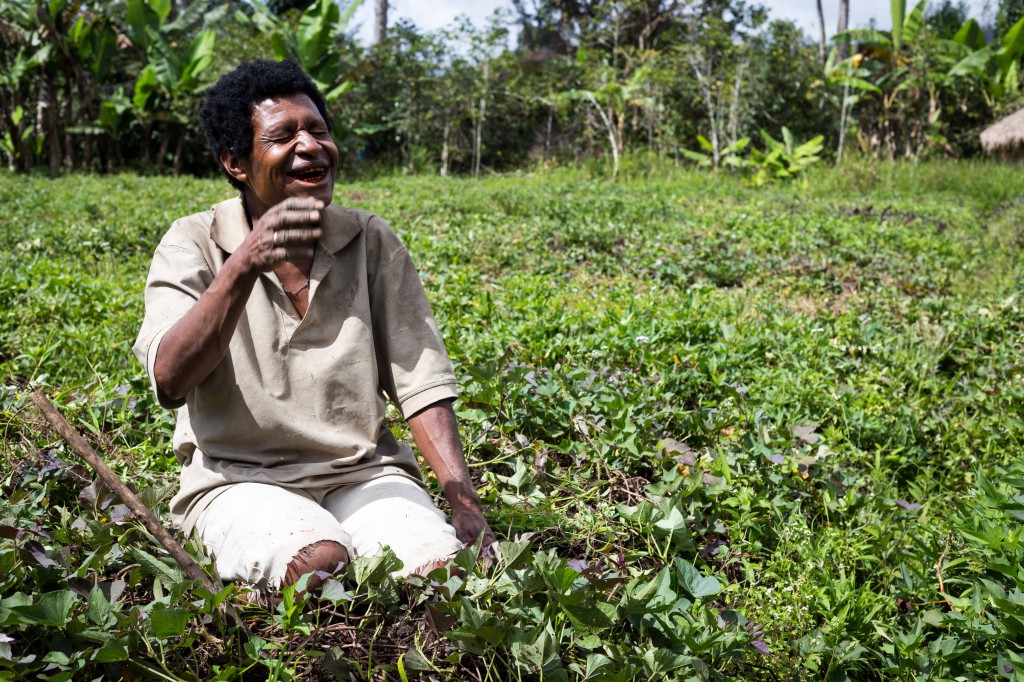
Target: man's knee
326, 556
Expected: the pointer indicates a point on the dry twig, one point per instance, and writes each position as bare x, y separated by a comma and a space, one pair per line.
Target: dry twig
141, 511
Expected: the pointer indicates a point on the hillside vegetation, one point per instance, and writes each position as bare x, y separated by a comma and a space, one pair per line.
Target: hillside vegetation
722, 430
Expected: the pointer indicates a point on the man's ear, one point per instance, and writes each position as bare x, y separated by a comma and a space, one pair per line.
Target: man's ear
234, 166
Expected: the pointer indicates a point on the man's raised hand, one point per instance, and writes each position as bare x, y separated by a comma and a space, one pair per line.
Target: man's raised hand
287, 231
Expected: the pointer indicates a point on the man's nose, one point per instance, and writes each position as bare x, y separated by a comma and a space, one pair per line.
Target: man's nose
306, 142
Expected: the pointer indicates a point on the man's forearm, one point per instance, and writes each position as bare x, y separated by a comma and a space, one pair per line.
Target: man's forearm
437, 436
192, 348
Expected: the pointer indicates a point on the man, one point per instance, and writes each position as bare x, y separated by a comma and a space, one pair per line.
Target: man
276, 322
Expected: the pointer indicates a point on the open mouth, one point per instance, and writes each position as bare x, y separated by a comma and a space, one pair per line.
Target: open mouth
310, 175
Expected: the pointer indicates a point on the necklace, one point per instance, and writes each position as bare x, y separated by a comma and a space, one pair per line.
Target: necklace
292, 294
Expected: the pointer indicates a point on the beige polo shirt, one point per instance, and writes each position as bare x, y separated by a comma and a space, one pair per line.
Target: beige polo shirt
298, 402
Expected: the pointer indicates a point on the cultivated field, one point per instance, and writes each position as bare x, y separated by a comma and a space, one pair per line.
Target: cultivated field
771, 432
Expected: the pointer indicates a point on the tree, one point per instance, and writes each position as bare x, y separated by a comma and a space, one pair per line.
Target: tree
843, 25
380, 24
822, 49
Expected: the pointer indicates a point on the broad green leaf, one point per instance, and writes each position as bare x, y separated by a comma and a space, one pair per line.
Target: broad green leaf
970, 35
53, 609
787, 138
898, 9
913, 22
334, 591
200, 53
674, 526
1013, 41
99, 610
162, 8
112, 650
598, 664
974, 64
168, 622
864, 35
660, 662
156, 567
693, 583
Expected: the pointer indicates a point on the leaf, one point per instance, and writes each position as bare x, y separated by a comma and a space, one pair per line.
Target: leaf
414, 660
864, 35
898, 9
913, 22
112, 650
674, 526
145, 84
334, 591
53, 609
99, 610
970, 35
972, 65
156, 567
34, 552
693, 583
806, 433
168, 622
662, 661
598, 664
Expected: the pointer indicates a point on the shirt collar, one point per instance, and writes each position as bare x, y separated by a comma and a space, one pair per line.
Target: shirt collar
231, 226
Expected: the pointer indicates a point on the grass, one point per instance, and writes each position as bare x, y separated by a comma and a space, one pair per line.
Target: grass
771, 433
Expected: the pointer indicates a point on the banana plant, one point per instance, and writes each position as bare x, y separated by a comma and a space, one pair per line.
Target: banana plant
997, 65
23, 57
172, 73
611, 101
730, 156
891, 46
313, 44
785, 159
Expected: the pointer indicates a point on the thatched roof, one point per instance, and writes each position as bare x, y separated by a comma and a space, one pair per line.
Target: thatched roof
1004, 139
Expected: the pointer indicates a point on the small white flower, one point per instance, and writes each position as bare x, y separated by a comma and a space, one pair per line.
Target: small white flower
642, 340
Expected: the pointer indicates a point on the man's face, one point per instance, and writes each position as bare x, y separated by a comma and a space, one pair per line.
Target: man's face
293, 154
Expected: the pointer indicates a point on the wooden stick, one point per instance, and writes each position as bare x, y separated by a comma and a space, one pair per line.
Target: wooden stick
141, 511
938, 572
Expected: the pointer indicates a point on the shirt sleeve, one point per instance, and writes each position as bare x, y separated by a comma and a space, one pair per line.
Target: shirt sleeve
178, 276
413, 365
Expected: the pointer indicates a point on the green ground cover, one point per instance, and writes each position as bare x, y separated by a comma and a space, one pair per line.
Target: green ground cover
771, 433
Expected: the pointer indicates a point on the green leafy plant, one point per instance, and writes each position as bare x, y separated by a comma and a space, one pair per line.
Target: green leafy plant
785, 159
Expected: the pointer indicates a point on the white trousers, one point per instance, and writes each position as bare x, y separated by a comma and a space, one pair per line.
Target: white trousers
254, 530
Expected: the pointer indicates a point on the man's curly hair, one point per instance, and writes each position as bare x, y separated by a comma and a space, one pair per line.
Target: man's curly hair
227, 111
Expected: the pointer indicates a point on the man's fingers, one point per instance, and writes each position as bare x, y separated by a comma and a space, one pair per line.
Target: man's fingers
281, 254
301, 236
285, 218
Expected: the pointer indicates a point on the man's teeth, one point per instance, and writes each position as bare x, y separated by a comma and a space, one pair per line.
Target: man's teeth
313, 175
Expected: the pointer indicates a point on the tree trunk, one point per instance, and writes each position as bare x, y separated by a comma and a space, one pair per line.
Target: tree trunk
547, 133
734, 105
165, 143
610, 127
481, 114
147, 158
46, 117
444, 149
66, 118
179, 147
844, 24
821, 33
380, 24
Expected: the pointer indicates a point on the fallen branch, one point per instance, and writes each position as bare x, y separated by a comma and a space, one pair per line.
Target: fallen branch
125, 494
938, 572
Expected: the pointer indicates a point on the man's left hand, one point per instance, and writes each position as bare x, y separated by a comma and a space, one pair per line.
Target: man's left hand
469, 524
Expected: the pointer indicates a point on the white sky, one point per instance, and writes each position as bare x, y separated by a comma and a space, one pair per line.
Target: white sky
434, 14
